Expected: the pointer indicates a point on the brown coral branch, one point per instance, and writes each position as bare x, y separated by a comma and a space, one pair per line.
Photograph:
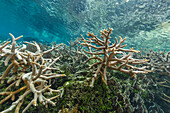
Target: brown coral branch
4, 45
32, 68
113, 56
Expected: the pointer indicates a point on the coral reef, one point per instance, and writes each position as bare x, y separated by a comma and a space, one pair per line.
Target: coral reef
118, 96
33, 73
158, 61
110, 55
72, 57
32, 69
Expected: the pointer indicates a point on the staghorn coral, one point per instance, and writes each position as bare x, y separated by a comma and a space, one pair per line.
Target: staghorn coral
112, 56
29, 68
159, 61
124, 97
72, 57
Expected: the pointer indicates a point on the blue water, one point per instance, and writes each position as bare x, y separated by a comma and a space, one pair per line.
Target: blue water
29, 19
60, 20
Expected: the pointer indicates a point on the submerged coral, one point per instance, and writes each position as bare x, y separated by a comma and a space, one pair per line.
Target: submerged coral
72, 57
30, 74
110, 55
30, 68
159, 62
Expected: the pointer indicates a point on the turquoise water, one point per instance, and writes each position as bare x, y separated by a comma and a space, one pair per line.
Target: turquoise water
143, 22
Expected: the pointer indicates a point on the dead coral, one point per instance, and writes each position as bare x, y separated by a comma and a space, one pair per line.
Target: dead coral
37, 80
112, 56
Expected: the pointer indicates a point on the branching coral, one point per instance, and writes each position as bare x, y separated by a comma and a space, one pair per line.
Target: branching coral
158, 61
31, 68
112, 56
72, 56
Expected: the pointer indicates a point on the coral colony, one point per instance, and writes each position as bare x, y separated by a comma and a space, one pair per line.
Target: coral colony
112, 56
32, 71
157, 61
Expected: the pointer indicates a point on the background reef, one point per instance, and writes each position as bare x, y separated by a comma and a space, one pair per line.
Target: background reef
60, 20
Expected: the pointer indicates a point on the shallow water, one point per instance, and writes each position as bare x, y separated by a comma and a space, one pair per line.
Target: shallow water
144, 23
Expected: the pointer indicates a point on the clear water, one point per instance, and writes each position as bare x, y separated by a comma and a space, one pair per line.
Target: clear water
143, 22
